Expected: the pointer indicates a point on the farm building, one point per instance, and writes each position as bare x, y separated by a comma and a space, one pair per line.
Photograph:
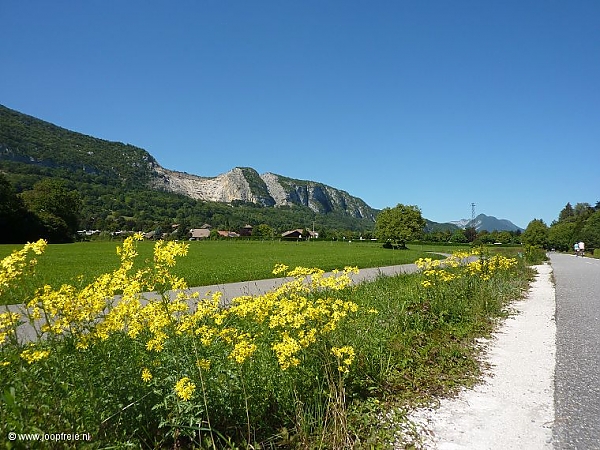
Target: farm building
200, 233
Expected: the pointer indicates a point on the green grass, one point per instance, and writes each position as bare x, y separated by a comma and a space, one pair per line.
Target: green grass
212, 262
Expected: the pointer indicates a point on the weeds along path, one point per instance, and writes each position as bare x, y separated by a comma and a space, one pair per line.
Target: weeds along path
230, 291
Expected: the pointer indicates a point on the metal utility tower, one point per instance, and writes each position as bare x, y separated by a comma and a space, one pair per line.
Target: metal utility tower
472, 211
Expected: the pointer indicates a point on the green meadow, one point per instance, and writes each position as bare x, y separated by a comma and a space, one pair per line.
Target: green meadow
214, 262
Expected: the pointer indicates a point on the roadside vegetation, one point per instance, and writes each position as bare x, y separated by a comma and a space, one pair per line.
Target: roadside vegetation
574, 224
209, 262
317, 363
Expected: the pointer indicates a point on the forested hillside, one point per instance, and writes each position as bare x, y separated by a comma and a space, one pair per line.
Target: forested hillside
112, 182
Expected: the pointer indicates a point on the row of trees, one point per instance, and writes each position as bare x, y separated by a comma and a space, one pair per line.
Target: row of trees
471, 235
401, 224
574, 224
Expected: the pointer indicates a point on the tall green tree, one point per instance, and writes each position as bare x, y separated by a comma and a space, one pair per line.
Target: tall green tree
536, 234
57, 208
583, 209
561, 235
471, 234
591, 231
399, 225
566, 213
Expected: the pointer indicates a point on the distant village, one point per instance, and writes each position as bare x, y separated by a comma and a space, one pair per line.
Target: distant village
206, 231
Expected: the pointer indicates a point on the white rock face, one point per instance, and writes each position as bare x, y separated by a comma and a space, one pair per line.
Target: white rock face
235, 186
226, 187
275, 189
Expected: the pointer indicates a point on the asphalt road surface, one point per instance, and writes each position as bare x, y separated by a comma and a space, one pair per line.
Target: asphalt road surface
577, 373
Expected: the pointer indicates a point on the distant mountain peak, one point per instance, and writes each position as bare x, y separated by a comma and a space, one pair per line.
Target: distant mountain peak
487, 223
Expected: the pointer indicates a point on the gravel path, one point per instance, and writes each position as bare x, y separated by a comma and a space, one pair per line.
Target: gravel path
513, 408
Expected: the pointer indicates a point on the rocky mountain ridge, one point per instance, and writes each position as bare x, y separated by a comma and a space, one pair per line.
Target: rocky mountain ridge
26, 141
245, 184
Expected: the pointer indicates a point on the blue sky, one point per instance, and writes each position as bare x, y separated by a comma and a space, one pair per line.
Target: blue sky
438, 104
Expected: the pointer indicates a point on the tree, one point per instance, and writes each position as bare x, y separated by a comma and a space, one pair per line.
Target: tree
561, 235
398, 225
566, 213
16, 222
471, 234
504, 237
459, 236
264, 231
591, 231
536, 234
57, 208
583, 210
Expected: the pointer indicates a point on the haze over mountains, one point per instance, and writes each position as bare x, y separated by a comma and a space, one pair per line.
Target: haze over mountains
31, 148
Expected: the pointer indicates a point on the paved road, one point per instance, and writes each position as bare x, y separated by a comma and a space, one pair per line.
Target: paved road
577, 373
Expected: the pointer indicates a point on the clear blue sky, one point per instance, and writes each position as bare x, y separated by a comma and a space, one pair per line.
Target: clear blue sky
431, 103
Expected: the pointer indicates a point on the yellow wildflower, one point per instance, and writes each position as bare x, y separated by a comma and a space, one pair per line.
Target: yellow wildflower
31, 355
242, 350
345, 356
203, 364
286, 351
146, 375
184, 388
280, 268
13, 265
8, 321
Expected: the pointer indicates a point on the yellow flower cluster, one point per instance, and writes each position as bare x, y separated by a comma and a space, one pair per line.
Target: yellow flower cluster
294, 312
13, 266
285, 321
184, 388
485, 268
345, 356
32, 355
8, 321
114, 302
473, 263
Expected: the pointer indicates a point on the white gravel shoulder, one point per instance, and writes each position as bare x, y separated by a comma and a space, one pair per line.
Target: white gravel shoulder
513, 408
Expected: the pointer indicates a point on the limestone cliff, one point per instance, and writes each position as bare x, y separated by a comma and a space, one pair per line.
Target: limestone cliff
245, 184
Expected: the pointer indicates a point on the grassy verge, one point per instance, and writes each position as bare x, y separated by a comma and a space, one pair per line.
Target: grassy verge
315, 364
207, 262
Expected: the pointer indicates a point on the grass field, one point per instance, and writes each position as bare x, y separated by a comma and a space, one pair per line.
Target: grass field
215, 262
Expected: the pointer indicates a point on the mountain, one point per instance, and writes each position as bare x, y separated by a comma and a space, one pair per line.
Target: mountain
488, 223
244, 184
31, 149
